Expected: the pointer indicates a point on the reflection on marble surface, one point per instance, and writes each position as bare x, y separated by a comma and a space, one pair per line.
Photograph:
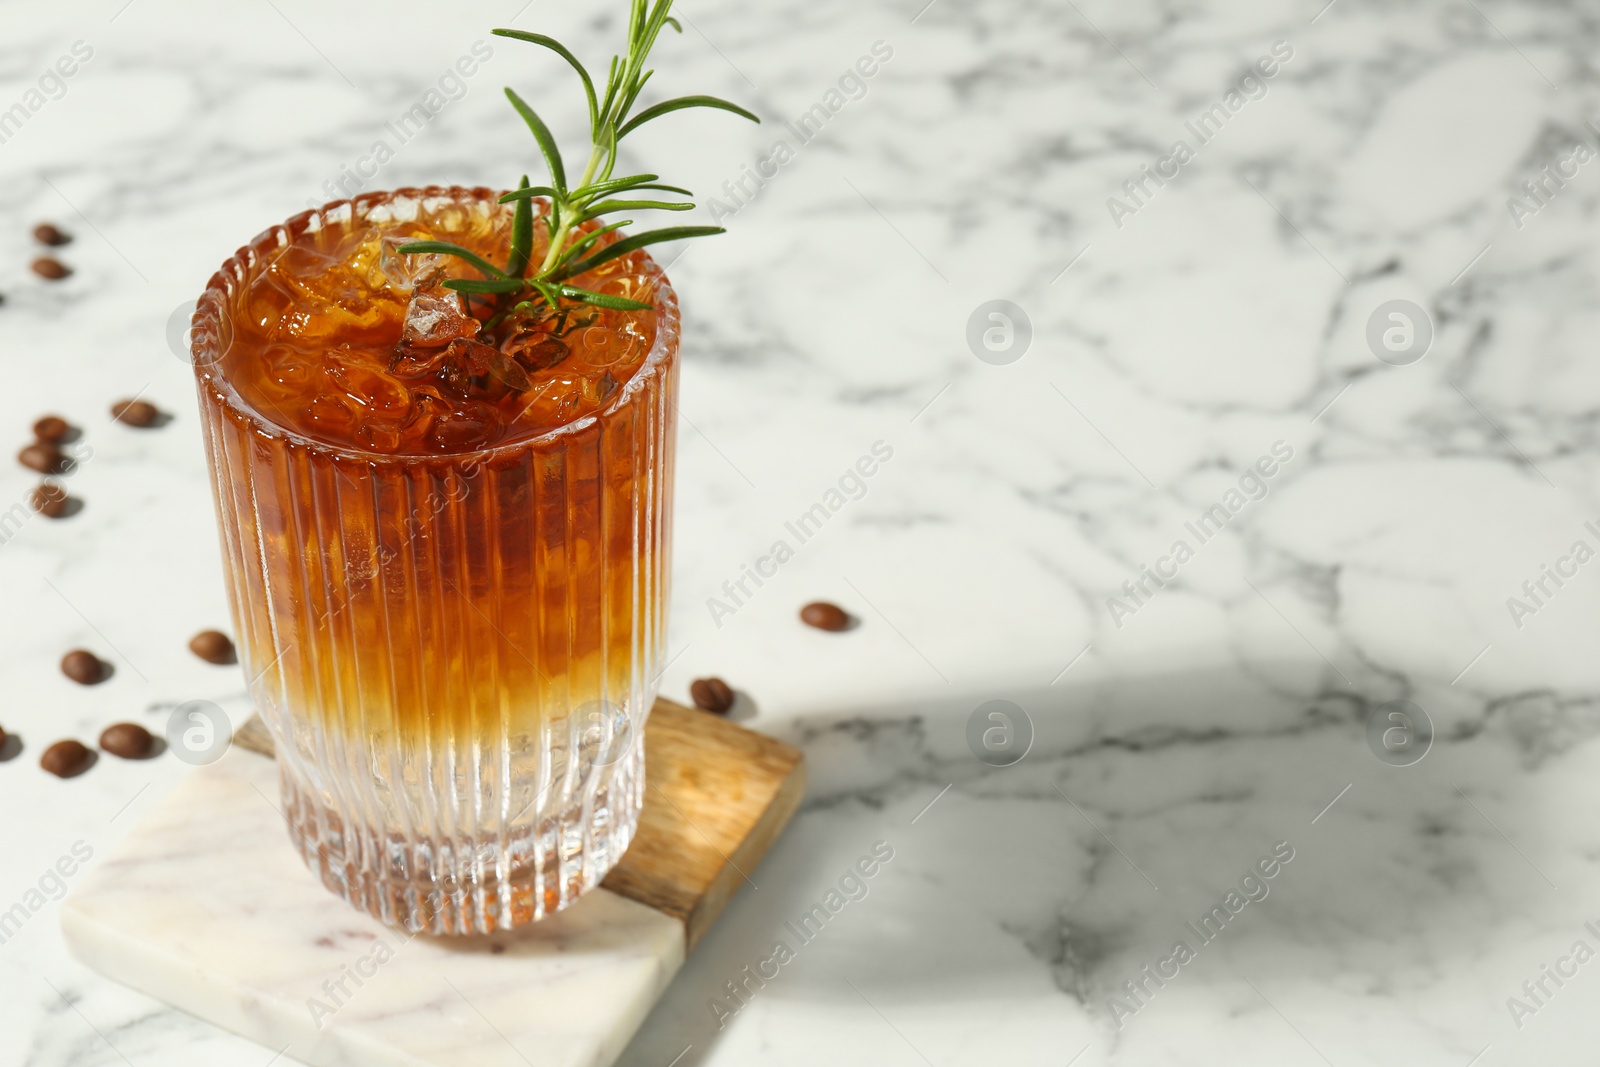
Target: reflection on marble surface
1384, 161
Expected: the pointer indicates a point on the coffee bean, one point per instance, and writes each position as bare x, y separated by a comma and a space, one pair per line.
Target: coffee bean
825, 616
140, 413
711, 694
49, 500
64, 759
52, 269
45, 458
52, 429
213, 647
128, 740
83, 667
46, 234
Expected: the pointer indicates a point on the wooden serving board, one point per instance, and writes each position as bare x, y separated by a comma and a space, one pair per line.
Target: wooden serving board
207, 906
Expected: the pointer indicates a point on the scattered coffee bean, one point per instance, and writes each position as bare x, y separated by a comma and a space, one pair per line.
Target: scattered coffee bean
83, 667
711, 694
213, 647
66, 758
140, 413
49, 268
52, 429
49, 500
825, 616
47, 234
44, 457
128, 740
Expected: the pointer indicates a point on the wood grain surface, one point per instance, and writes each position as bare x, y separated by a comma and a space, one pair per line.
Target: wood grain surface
716, 797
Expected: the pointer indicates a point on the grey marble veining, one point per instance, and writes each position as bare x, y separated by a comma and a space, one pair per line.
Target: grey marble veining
1174, 744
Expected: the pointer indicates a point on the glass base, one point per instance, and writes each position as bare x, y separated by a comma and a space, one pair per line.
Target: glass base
470, 885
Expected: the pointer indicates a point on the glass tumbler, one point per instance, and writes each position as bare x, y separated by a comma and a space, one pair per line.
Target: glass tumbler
455, 654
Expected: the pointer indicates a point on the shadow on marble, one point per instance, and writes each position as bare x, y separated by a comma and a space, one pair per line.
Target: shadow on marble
1137, 810
72, 508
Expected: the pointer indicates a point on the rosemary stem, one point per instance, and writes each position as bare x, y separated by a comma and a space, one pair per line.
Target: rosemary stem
559, 238
545, 289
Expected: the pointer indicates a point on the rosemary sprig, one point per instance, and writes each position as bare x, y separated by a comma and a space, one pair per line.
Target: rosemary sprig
524, 287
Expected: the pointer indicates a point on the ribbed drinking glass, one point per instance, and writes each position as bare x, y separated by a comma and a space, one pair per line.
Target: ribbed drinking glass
455, 652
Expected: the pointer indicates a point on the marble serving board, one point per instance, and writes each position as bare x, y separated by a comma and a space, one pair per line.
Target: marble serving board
207, 906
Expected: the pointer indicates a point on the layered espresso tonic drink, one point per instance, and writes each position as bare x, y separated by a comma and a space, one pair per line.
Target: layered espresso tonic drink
447, 543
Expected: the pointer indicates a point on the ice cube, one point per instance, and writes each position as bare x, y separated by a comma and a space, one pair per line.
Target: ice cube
267, 298
314, 323
314, 275
404, 272
466, 425
548, 404
452, 367
475, 356
379, 396
330, 299
597, 390
287, 372
537, 403
330, 416
603, 348
377, 438
535, 349
413, 363
435, 317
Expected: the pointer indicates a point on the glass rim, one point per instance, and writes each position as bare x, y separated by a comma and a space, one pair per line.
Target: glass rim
211, 337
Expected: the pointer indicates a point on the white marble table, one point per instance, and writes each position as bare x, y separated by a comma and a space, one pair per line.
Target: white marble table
1180, 733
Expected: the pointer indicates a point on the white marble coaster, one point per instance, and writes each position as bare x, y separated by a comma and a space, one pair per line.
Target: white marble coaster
207, 907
